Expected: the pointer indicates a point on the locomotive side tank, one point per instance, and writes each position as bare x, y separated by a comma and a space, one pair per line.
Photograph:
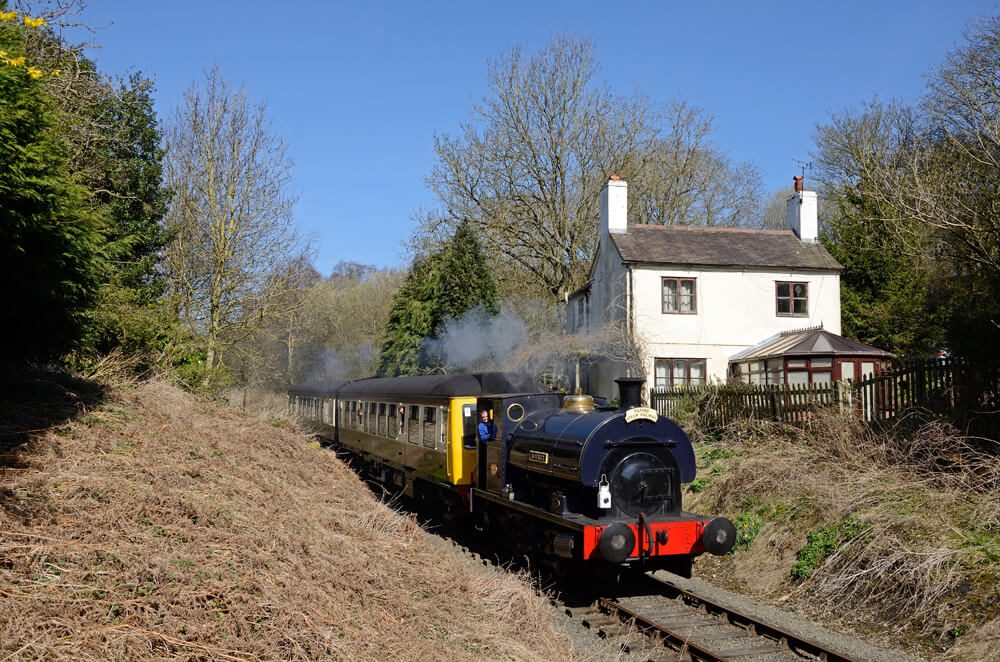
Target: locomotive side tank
644, 460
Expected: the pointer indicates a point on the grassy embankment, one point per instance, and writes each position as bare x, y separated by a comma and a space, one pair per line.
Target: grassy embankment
154, 526
894, 534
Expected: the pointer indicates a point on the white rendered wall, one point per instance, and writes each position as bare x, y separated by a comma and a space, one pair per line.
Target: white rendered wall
736, 310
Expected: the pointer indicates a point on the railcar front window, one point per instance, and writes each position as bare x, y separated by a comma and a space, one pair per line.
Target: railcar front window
469, 426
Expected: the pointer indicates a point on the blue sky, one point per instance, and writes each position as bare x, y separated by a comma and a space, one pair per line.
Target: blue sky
358, 90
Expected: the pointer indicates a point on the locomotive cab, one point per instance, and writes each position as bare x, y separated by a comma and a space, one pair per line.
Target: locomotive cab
506, 412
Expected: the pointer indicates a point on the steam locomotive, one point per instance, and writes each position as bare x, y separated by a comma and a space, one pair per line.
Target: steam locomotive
565, 478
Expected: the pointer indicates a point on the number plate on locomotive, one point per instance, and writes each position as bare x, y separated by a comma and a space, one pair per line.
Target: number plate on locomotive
538, 456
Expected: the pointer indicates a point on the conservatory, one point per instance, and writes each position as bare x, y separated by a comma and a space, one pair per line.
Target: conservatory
807, 356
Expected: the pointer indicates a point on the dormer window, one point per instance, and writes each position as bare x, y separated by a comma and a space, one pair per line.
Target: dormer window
791, 299
680, 296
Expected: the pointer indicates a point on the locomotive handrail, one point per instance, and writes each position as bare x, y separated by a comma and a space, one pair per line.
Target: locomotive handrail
632, 441
547, 439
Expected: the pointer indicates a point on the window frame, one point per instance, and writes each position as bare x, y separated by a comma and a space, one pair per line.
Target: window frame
678, 280
791, 298
670, 361
414, 425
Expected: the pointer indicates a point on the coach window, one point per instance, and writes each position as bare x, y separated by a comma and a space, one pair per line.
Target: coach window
442, 429
392, 420
413, 431
430, 427
373, 417
381, 419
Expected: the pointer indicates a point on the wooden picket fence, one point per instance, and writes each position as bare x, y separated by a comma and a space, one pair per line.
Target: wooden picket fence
960, 390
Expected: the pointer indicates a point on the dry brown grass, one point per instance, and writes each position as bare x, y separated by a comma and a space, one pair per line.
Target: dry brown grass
928, 560
157, 527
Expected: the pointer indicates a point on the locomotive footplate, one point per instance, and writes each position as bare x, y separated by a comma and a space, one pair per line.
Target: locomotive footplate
683, 534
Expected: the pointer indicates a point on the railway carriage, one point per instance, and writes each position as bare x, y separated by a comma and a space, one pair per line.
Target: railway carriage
411, 429
565, 479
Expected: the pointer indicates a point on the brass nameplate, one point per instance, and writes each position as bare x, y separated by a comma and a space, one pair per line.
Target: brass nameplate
645, 413
538, 456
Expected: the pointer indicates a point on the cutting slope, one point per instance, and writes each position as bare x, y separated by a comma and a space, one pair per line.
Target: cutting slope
155, 526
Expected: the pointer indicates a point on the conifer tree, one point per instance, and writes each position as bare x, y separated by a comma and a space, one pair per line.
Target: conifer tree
439, 287
51, 241
129, 187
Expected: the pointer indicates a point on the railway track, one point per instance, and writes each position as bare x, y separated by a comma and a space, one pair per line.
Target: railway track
656, 628
661, 617
672, 621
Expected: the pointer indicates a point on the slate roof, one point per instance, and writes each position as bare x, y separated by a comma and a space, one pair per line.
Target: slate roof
721, 247
808, 342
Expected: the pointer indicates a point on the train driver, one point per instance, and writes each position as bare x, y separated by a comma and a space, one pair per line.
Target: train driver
487, 428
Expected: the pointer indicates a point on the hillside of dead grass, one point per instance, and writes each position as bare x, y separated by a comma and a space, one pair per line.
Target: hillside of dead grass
155, 526
895, 534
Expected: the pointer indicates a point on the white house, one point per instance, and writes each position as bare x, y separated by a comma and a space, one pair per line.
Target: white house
697, 296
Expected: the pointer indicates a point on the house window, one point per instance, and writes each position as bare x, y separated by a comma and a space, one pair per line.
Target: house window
582, 305
679, 372
792, 298
680, 295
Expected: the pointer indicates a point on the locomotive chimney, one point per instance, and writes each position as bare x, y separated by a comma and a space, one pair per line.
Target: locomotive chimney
630, 391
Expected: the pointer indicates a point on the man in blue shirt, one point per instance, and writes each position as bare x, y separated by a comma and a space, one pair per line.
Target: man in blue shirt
487, 428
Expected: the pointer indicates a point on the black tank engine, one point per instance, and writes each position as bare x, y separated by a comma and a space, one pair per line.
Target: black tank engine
602, 483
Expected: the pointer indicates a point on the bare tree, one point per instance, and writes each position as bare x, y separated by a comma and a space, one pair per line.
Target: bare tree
231, 215
934, 168
686, 180
343, 324
527, 170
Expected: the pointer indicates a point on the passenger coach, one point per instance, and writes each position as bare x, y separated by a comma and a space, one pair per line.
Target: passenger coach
421, 427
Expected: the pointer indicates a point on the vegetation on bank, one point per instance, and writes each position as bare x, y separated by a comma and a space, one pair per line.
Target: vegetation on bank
153, 526
893, 532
